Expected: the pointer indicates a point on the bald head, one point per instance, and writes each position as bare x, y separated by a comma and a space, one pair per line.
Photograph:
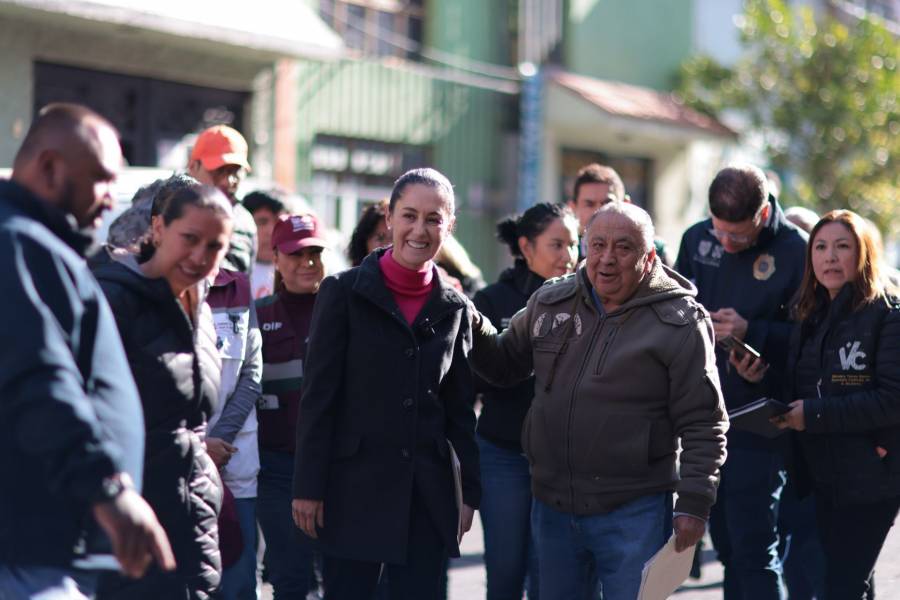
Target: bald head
69, 158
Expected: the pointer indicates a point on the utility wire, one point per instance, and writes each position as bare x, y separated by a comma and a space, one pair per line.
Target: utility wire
401, 42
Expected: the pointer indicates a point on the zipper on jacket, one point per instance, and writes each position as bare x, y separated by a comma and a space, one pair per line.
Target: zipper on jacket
587, 358
827, 324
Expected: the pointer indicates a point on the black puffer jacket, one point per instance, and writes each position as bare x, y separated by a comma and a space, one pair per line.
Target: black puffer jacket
846, 368
178, 385
505, 408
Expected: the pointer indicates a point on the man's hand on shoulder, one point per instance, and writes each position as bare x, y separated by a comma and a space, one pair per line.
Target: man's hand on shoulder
136, 535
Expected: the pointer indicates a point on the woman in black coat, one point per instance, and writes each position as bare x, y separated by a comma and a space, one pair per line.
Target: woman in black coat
163, 320
386, 387
844, 392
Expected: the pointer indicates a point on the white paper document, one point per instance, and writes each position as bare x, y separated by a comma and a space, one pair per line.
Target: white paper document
666, 571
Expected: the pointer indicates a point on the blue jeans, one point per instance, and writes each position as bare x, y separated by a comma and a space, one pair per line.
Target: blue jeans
611, 549
509, 553
289, 557
239, 580
743, 524
46, 583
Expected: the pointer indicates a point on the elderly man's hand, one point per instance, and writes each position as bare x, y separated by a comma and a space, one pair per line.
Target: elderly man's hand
727, 321
688, 531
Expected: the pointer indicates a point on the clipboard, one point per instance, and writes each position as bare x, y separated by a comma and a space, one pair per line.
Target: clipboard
665, 572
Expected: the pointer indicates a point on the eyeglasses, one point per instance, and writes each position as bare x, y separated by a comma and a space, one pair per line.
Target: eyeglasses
739, 238
735, 238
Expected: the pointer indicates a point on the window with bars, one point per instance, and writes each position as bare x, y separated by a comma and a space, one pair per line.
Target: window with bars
377, 27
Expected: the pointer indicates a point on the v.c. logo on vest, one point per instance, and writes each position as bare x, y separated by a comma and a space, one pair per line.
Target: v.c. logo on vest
851, 360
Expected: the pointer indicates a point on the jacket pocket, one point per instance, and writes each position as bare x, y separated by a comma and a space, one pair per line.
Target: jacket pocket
545, 353
618, 448
346, 446
543, 456
601, 351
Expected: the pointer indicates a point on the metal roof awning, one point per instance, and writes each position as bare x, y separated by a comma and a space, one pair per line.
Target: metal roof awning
641, 104
288, 29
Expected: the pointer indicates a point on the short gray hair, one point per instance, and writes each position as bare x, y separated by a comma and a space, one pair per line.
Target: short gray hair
637, 215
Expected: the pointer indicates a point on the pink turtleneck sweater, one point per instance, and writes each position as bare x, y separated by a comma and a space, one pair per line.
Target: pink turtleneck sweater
410, 288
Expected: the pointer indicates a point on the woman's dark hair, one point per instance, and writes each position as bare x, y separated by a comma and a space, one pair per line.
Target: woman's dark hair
368, 222
170, 203
530, 224
867, 285
427, 177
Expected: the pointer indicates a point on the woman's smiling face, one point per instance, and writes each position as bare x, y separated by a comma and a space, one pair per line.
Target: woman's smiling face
419, 223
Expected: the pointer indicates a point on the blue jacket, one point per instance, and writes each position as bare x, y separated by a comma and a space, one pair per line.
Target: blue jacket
69, 411
759, 283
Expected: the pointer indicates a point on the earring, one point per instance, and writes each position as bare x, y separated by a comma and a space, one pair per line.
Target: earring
155, 243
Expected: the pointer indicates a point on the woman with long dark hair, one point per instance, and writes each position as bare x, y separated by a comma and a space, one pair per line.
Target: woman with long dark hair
844, 392
543, 241
370, 233
158, 302
386, 391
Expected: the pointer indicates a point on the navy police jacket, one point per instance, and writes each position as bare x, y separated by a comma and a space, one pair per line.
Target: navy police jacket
759, 283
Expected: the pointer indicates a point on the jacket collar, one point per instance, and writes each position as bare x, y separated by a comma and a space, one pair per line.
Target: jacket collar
523, 279
662, 283
58, 222
777, 221
370, 285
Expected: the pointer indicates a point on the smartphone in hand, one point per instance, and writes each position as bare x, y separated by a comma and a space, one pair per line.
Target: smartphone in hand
740, 348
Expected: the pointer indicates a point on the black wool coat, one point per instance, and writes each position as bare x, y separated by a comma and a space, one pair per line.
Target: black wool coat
380, 400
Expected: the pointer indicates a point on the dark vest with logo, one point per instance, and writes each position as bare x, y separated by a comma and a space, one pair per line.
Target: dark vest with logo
284, 320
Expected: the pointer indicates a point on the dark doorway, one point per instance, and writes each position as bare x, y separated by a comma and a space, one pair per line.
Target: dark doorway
152, 115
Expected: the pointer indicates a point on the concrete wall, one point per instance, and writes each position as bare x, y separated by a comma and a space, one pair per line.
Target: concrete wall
26, 40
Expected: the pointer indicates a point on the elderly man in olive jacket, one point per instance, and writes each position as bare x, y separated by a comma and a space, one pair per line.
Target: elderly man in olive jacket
624, 368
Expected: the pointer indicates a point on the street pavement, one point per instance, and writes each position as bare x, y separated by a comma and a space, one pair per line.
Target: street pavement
467, 577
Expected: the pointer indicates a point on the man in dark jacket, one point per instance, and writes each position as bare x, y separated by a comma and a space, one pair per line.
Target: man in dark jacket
71, 436
747, 263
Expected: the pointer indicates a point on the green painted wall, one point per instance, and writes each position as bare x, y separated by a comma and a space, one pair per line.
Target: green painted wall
460, 123
635, 41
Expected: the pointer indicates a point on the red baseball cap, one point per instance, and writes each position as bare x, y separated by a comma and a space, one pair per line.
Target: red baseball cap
219, 146
295, 232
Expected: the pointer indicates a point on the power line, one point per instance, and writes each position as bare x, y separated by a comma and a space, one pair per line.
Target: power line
401, 42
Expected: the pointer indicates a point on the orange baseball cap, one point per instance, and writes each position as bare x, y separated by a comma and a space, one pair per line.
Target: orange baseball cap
219, 146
